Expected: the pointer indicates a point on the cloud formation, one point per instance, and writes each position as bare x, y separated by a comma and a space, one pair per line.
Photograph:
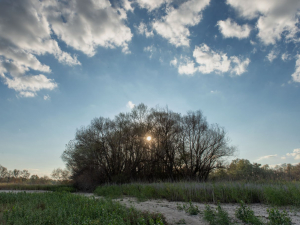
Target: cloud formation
272, 55
231, 29
130, 105
210, 61
296, 74
267, 157
295, 154
152, 4
142, 29
276, 18
174, 26
26, 32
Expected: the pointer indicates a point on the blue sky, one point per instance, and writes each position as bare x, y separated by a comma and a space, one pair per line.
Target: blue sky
63, 63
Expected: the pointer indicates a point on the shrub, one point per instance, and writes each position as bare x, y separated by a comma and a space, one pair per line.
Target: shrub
278, 218
246, 215
217, 217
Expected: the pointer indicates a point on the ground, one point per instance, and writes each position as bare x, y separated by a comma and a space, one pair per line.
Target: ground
176, 216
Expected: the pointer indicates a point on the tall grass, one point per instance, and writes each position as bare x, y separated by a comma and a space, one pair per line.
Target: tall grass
65, 208
67, 188
225, 192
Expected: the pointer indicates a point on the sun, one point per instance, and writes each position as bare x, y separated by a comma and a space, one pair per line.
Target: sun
149, 138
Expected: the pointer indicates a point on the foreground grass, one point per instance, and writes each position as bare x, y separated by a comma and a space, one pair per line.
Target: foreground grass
59, 187
273, 194
65, 208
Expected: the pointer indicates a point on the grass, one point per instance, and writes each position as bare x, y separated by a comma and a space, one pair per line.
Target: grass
64, 208
277, 194
56, 188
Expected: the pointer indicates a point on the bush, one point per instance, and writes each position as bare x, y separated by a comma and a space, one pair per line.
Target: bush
246, 215
278, 218
218, 217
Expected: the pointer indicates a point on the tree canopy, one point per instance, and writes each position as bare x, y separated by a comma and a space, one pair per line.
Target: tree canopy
117, 150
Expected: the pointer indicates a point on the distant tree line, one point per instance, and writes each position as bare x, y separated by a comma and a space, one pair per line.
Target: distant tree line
23, 176
117, 150
242, 169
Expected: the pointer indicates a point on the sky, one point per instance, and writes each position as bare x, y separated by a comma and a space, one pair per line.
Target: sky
65, 62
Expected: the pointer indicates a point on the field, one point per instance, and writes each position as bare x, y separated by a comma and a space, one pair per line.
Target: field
155, 203
66, 208
277, 194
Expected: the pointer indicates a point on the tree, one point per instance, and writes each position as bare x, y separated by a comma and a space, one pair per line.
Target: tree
116, 150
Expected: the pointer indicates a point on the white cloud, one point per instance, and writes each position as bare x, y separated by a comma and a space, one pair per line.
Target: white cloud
130, 105
276, 18
210, 61
127, 5
240, 67
85, 25
296, 74
27, 94
285, 57
46, 97
150, 49
174, 62
27, 27
30, 83
295, 154
272, 55
188, 67
174, 26
152, 4
267, 157
142, 29
231, 29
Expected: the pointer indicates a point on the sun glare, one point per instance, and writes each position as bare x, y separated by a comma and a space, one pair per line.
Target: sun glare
149, 138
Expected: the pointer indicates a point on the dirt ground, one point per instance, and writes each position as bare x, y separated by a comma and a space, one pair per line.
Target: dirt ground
176, 216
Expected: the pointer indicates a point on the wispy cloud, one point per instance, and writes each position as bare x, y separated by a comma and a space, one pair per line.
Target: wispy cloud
267, 157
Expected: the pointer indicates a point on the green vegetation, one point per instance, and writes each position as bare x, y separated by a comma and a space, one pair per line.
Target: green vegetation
246, 215
216, 217
189, 208
278, 218
65, 208
279, 194
56, 188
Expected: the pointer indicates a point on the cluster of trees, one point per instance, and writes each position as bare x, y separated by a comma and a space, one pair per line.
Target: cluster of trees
23, 176
242, 169
119, 149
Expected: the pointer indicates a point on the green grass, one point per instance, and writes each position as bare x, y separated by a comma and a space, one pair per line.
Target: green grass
279, 194
64, 208
59, 188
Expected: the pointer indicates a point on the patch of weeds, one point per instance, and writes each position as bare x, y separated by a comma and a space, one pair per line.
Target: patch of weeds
246, 215
192, 209
278, 218
216, 217
189, 208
